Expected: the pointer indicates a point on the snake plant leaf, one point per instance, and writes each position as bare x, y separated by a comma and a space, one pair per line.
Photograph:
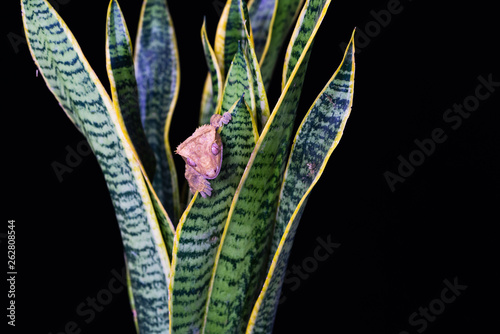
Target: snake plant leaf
239, 81
261, 13
316, 138
233, 26
209, 105
75, 85
312, 12
164, 221
130, 293
242, 255
282, 20
261, 111
207, 101
120, 66
158, 75
201, 225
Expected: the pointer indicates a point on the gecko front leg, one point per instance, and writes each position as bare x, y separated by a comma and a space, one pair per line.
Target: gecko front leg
217, 120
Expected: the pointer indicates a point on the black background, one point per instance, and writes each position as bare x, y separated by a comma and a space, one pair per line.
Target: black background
396, 247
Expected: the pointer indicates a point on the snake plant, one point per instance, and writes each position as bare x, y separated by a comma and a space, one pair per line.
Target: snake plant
216, 266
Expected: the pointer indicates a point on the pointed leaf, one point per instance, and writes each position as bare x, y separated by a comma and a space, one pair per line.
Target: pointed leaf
120, 66
200, 228
73, 82
166, 226
261, 13
130, 293
211, 102
244, 247
238, 82
230, 30
158, 75
233, 27
261, 111
284, 15
316, 138
312, 13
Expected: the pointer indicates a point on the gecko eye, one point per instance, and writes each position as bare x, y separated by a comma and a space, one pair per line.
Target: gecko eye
215, 149
190, 162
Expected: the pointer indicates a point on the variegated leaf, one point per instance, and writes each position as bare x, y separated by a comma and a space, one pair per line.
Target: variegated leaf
261, 111
316, 138
230, 31
312, 13
75, 85
243, 252
200, 228
120, 66
239, 81
284, 15
157, 72
261, 13
212, 100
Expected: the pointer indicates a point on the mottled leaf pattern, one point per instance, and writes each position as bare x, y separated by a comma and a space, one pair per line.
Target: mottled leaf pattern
210, 103
283, 18
166, 226
239, 81
233, 27
312, 14
230, 31
120, 66
230, 250
316, 138
233, 34
157, 73
261, 13
261, 109
130, 293
200, 228
244, 247
73, 82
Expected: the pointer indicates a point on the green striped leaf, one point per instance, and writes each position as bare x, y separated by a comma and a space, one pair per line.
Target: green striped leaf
284, 15
261, 13
316, 138
121, 76
74, 84
157, 72
120, 66
207, 101
201, 225
166, 226
233, 26
243, 252
210, 102
239, 81
312, 13
130, 293
261, 110
234, 29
